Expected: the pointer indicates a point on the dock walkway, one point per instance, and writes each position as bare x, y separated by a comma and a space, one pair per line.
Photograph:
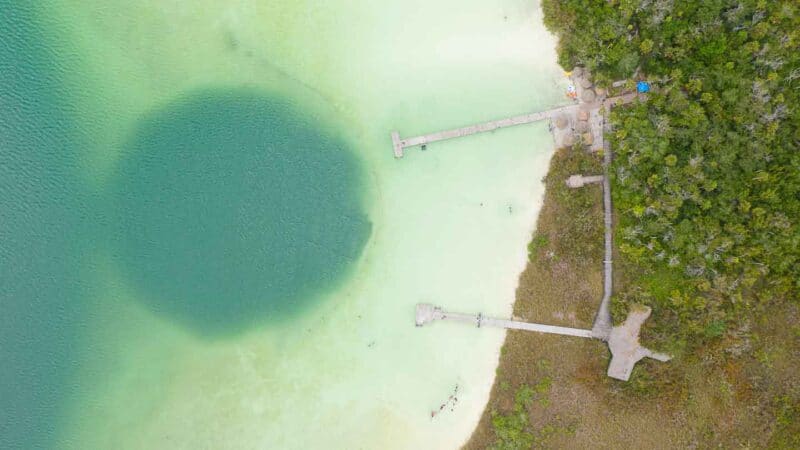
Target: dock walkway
623, 340
399, 144
426, 313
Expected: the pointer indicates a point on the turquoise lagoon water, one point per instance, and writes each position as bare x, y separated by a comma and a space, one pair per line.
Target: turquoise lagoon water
205, 240
43, 202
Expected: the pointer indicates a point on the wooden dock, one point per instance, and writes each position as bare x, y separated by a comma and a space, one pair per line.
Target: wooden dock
399, 144
426, 313
623, 340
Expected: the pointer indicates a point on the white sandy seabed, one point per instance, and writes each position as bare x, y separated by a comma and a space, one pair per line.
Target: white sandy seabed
450, 224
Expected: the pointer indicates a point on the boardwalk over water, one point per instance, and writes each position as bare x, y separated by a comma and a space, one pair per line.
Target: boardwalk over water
426, 312
399, 144
623, 340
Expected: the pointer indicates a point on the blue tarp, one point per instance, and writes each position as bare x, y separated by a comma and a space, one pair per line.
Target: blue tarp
643, 86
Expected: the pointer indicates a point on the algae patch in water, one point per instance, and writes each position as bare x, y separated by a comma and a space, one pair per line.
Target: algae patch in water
235, 208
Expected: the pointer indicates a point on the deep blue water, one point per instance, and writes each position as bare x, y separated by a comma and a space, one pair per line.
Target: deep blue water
232, 208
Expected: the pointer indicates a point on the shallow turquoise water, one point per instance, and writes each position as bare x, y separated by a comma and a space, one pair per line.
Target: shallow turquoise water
159, 160
229, 207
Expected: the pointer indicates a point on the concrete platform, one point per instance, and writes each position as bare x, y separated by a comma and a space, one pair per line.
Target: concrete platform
623, 341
